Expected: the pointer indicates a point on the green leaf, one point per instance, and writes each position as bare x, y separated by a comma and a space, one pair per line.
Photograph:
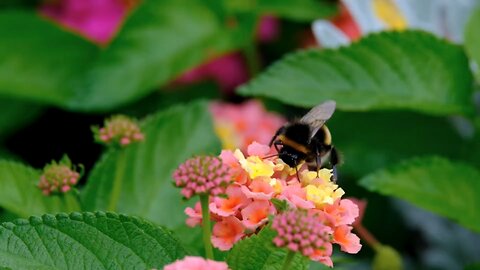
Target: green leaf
20, 195
298, 10
386, 258
384, 138
41, 62
149, 51
472, 40
258, 253
391, 70
137, 179
86, 241
77, 75
15, 114
447, 188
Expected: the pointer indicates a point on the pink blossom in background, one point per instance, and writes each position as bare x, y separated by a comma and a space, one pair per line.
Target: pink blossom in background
97, 20
196, 263
230, 70
227, 71
239, 125
268, 29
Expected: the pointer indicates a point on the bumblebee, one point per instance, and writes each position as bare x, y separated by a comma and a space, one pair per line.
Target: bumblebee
308, 139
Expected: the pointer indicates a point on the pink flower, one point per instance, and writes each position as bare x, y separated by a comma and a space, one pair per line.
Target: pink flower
296, 196
258, 189
228, 71
256, 214
202, 175
229, 206
348, 241
268, 29
239, 175
238, 126
118, 130
303, 232
227, 232
58, 177
194, 215
343, 212
97, 20
196, 263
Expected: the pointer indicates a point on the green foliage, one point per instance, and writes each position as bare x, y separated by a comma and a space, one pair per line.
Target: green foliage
391, 70
77, 75
20, 195
299, 10
368, 141
30, 68
137, 179
450, 189
15, 114
258, 253
472, 40
86, 241
149, 51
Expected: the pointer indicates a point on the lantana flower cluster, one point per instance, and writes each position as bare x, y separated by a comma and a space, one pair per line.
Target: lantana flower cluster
58, 177
118, 129
247, 204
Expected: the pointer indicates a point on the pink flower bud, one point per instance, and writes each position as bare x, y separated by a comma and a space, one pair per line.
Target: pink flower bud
58, 177
120, 130
205, 174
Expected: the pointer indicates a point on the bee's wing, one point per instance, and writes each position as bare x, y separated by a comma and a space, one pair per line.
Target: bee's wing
318, 115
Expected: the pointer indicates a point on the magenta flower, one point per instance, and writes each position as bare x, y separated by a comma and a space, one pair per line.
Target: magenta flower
202, 175
303, 232
58, 177
119, 129
97, 20
196, 263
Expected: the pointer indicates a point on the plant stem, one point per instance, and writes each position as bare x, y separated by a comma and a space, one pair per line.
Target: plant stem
117, 181
288, 260
251, 55
366, 236
207, 234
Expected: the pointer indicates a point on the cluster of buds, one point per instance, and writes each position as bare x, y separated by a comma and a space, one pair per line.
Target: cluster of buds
118, 130
303, 232
58, 177
202, 175
247, 204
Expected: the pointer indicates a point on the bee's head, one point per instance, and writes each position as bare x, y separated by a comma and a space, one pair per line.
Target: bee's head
290, 158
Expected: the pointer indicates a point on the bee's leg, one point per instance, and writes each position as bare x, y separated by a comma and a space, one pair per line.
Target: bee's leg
276, 144
318, 160
280, 130
334, 160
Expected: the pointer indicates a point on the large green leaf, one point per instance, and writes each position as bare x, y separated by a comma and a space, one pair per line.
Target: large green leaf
369, 141
160, 39
20, 195
391, 70
86, 241
447, 188
299, 10
39, 61
137, 180
258, 253
472, 40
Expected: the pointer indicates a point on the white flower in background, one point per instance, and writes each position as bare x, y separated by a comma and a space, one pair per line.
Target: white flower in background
445, 18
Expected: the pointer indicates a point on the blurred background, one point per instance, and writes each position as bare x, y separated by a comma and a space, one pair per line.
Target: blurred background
65, 65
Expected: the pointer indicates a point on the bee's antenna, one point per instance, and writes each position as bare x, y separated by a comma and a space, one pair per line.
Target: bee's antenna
274, 155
